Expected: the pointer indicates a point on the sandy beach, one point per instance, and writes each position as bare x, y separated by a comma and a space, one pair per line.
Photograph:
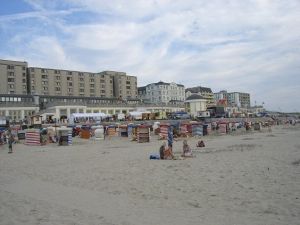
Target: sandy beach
249, 179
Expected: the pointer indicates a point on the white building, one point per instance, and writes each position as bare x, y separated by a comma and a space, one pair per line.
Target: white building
162, 92
234, 99
202, 91
195, 104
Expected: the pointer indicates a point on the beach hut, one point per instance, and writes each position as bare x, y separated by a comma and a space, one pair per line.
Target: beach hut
197, 129
163, 132
36, 121
98, 132
205, 129
123, 130
112, 131
64, 136
131, 130
33, 137
183, 129
21, 135
52, 134
223, 127
257, 126
85, 132
156, 128
143, 133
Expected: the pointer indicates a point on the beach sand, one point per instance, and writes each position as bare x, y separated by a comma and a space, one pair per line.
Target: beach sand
250, 179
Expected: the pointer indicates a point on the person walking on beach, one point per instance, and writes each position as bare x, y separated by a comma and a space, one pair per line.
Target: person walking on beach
11, 140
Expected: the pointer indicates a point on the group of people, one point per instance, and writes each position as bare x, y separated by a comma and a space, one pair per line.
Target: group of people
165, 152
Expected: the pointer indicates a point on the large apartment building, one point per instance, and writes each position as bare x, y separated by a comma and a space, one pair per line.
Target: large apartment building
124, 86
13, 76
18, 78
44, 81
239, 99
233, 99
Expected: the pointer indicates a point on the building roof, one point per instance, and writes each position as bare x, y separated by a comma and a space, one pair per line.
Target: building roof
198, 89
194, 97
161, 83
142, 88
164, 83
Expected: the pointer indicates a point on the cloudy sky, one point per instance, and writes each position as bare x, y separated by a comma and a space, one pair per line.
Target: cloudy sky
249, 46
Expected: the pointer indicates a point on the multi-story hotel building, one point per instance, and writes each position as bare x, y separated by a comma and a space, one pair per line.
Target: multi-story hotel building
233, 99
13, 76
44, 81
27, 91
105, 84
205, 92
239, 99
18, 78
162, 92
124, 86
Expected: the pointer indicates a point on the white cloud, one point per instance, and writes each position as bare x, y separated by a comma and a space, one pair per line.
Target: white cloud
234, 45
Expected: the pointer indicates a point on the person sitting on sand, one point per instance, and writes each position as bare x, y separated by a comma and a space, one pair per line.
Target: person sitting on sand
200, 144
168, 153
162, 150
187, 152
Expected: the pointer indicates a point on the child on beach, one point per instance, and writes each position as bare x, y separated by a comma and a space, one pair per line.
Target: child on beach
187, 151
200, 144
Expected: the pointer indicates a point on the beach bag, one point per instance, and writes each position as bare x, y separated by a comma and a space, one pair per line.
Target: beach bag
154, 156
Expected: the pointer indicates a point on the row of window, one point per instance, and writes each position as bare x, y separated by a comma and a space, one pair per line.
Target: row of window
69, 78
12, 67
67, 72
70, 84
71, 100
15, 99
12, 74
165, 87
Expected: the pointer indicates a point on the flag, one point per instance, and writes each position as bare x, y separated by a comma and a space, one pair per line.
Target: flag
170, 136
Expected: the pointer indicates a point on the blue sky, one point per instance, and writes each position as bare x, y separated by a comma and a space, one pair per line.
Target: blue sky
250, 46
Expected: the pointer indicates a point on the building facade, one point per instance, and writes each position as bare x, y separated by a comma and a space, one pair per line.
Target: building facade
21, 107
221, 96
194, 104
18, 78
13, 76
17, 107
233, 99
44, 81
238, 99
142, 94
124, 86
162, 92
205, 92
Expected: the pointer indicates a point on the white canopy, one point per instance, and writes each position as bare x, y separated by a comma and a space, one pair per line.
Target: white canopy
89, 115
137, 113
95, 116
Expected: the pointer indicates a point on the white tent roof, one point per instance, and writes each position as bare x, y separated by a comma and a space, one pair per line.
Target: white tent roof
82, 115
135, 113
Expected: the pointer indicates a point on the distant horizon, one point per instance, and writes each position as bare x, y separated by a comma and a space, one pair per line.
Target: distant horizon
249, 46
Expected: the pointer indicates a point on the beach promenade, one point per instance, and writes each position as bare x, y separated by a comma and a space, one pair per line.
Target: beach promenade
251, 179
